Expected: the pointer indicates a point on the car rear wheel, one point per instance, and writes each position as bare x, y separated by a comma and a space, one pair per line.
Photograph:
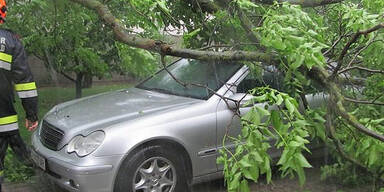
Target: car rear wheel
152, 169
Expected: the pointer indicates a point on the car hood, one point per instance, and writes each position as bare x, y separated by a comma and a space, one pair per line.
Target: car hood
100, 111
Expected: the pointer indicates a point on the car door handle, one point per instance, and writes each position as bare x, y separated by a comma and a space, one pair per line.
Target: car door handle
207, 152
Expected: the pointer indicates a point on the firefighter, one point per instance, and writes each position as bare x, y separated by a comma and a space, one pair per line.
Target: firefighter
15, 76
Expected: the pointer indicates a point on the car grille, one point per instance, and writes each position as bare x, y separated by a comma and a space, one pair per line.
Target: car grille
50, 136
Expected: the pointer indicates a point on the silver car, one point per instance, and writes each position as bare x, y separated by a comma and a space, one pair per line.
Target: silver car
158, 136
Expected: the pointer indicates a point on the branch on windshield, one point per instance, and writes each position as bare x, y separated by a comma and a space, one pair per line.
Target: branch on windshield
184, 84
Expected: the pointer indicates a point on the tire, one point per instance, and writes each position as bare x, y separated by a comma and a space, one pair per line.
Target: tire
139, 173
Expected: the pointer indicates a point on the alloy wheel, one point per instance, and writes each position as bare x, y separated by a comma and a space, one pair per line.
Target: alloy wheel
156, 174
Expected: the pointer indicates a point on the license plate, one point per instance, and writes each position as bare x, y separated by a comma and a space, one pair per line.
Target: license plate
38, 159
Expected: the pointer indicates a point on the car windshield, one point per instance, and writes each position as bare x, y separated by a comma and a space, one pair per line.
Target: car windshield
212, 75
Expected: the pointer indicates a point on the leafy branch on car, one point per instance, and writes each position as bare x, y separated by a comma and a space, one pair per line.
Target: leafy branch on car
290, 39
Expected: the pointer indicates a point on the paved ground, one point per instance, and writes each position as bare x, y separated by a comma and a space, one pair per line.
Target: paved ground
313, 184
40, 184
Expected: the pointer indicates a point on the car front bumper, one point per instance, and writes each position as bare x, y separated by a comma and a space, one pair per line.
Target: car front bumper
90, 174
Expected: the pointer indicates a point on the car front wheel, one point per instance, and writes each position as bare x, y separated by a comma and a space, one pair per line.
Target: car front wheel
152, 169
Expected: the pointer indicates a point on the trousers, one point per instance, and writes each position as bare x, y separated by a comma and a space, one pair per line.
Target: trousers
14, 140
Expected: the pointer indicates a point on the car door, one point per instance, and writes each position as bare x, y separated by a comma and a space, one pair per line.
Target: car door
228, 123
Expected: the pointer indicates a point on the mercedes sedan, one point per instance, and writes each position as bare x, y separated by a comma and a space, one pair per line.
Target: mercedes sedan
162, 135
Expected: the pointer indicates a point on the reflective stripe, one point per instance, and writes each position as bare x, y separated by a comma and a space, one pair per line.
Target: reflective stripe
5, 65
27, 94
6, 57
25, 86
8, 120
9, 127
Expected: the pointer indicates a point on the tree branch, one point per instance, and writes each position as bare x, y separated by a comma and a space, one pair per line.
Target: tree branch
247, 26
303, 3
338, 144
363, 102
359, 51
185, 84
337, 99
362, 68
333, 45
163, 48
68, 77
348, 45
213, 6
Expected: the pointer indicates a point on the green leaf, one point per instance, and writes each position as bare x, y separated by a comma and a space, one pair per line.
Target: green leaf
284, 157
300, 139
267, 167
256, 156
302, 160
294, 144
220, 160
372, 155
298, 62
252, 173
290, 106
301, 174
244, 186
260, 99
252, 116
278, 44
235, 182
319, 118
163, 7
276, 120
279, 99
239, 149
244, 162
262, 112
247, 4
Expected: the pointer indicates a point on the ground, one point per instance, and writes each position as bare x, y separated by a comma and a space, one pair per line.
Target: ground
313, 184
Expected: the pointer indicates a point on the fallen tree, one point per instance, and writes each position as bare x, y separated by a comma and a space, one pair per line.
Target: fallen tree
313, 45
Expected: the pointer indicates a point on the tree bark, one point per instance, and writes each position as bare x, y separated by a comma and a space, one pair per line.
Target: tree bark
88, 81
52, 71
79, 88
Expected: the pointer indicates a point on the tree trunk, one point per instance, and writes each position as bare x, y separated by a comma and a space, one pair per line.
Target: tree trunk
79, 81
52, 71
87, 81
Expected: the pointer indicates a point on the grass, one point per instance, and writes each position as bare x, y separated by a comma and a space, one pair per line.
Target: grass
48, 97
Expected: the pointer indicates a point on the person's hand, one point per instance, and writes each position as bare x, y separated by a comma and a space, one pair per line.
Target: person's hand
31, 125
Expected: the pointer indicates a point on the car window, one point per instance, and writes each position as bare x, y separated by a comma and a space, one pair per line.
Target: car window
210, 74
273, 78
269, 76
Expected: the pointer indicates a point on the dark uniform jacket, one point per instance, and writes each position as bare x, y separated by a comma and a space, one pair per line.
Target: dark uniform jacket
15, 76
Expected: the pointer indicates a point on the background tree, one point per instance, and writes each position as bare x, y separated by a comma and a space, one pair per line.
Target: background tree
72, 41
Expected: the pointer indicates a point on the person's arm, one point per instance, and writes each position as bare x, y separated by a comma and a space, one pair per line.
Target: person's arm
25, 85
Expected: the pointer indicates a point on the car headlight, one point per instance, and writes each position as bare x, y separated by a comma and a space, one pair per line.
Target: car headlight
84, 146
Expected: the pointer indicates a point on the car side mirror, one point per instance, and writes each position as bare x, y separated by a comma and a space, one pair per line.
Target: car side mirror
239, 100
